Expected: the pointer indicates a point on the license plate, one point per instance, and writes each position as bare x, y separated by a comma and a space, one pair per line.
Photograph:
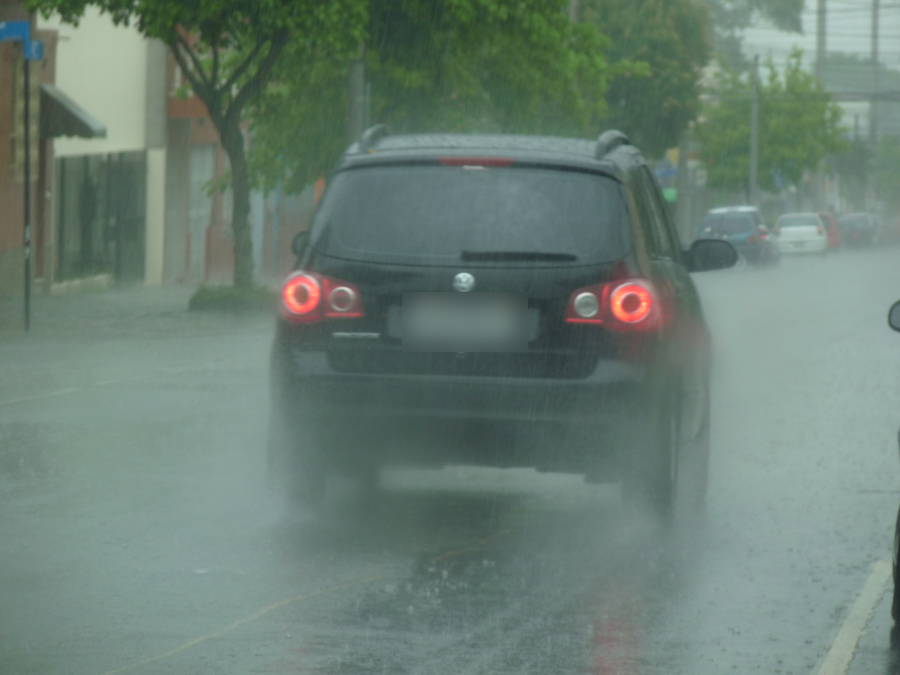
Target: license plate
474, 322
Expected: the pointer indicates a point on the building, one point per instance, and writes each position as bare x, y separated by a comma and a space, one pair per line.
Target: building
108, 196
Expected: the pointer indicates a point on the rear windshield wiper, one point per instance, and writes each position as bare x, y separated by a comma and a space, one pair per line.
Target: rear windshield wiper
516, 256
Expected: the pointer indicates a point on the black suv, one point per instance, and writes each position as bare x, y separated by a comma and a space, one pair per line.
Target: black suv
494, 300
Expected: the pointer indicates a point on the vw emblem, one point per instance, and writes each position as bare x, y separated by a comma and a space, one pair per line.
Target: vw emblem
463, 282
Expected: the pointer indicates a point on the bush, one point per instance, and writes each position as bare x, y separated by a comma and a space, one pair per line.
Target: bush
231, 299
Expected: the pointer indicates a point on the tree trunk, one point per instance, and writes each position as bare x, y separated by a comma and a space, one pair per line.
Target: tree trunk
233, 142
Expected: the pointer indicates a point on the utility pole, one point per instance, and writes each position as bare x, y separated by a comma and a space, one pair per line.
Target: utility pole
876, 78
821, 33
356, 113
873, 107
754, 136
26, 65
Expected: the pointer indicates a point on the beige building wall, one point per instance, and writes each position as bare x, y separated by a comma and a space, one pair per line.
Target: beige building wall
118, 76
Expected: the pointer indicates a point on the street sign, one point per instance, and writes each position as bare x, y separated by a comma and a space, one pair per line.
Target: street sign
20, 31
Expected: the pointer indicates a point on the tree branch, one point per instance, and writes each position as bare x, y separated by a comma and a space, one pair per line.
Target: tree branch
242, 68
198, 67
214, 76
200, 87
279, 40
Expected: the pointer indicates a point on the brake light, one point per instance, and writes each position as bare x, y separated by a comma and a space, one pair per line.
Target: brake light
308, 297
475, 161
631, 305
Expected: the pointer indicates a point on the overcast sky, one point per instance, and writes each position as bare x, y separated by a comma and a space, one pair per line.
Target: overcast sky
849, 30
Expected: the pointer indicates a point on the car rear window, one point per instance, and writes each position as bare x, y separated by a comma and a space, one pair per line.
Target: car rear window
799, 221
727, 224
436, 214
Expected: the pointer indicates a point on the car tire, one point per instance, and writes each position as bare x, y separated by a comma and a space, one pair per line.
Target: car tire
895, 602
652, 475
693, 461
296, 469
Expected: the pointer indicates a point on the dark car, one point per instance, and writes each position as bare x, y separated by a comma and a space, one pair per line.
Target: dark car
743, 227
494, 300
858, 229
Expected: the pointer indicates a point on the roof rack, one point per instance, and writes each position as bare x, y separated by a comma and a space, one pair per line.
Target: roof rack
371, 136
609, 141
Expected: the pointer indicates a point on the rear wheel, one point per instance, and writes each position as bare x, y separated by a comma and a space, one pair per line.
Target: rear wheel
652, 477
296, 469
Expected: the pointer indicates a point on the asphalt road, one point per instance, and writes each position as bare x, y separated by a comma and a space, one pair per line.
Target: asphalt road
137, 534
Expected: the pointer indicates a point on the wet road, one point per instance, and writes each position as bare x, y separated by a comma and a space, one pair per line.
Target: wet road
137, 536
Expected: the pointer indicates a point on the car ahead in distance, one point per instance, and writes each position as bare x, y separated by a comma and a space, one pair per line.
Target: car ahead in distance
894, 322
858, 229
506, 301
743, 228
832, 233
801, 233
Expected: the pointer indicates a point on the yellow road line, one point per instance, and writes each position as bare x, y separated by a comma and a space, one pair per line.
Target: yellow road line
477, 546
837, 662
241, 622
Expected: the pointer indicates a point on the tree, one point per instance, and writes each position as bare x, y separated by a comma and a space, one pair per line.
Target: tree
440, 65
227, 51
799, 125
672, 39
729, 17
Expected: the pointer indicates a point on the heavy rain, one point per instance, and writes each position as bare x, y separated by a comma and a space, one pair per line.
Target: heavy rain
418, 336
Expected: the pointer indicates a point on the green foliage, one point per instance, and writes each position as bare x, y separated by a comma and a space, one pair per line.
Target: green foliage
515, 66
799, 125
671, 39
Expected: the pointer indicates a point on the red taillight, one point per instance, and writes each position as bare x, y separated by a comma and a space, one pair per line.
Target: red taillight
308, 297
821, 231
631, 303
621, 306
300, 297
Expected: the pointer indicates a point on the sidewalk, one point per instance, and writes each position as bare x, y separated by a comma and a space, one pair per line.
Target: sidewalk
137, 311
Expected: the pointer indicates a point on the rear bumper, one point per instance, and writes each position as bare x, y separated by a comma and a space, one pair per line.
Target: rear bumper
312, 386
581, 425
803, 246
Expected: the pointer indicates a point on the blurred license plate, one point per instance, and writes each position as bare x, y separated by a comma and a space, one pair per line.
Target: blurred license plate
453, 322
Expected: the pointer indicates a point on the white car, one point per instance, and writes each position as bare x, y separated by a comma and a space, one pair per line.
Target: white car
801, 233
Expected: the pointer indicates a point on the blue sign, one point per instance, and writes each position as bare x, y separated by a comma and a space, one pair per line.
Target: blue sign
20, 31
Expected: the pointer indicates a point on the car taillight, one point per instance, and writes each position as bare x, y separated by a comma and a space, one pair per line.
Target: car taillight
308, 297
631, 305
821, 231
778, 231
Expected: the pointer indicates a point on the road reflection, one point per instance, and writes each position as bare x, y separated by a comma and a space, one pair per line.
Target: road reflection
509, 571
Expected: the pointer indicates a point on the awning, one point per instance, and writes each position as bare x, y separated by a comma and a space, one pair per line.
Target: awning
61, 116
